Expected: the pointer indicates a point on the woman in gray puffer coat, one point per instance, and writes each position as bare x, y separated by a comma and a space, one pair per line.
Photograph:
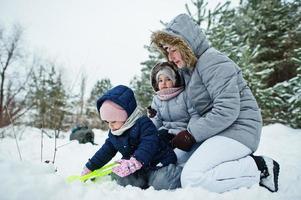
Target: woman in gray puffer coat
229, 127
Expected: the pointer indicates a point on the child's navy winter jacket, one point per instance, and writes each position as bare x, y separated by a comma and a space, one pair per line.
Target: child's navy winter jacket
140, 141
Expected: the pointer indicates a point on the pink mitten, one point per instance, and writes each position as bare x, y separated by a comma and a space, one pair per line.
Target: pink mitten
85, 171
127, 167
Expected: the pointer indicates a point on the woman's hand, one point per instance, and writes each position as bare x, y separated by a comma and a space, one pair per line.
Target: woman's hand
183, 140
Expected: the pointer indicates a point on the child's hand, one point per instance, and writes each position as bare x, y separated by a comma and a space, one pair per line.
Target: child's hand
151, 112
85, 171
165, 136
127, 167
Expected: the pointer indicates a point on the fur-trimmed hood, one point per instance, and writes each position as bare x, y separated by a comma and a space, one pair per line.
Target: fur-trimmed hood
185, 34
157, 68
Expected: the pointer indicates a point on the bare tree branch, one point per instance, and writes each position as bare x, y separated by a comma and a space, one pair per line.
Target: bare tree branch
10, 52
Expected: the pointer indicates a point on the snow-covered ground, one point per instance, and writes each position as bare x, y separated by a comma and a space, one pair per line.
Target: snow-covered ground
35, 180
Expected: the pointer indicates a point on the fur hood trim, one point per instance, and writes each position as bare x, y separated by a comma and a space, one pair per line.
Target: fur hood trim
161, 38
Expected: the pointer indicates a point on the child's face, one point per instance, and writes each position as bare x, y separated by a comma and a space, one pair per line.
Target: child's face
115, 125
164, 82
174, 55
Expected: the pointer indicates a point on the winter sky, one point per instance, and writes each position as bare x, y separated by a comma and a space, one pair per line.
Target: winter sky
98, 38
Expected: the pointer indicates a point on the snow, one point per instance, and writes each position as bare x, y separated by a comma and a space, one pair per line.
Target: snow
33, 179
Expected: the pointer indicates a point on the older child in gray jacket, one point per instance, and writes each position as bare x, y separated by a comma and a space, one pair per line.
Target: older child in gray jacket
171, 112
171, 109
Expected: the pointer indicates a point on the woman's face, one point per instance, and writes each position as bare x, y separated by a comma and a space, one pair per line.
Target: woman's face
174, 55
164, 82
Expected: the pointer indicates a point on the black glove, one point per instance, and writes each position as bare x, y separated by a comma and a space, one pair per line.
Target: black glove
183, 140
151, 112
165, 136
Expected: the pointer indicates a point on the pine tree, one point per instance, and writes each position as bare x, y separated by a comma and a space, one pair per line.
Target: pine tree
263, 38
272, 32
224, 32
48, 98
38, 97
57, 100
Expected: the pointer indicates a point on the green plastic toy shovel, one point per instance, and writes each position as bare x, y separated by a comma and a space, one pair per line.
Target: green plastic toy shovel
105, 170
